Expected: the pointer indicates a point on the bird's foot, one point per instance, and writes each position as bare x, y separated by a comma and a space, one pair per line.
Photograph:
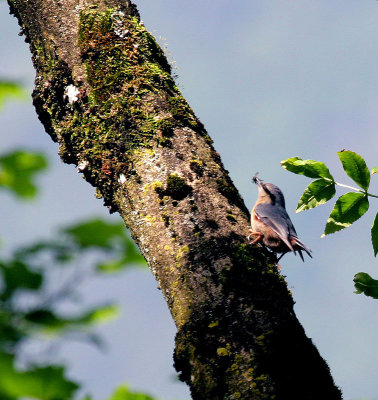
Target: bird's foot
257, 239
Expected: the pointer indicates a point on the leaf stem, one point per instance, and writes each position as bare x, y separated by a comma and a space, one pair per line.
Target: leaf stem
355, 189
350, 187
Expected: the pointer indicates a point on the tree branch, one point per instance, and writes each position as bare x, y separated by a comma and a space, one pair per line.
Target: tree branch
104, 92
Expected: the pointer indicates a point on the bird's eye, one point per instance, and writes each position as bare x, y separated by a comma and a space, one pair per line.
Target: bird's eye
267, 190
270, 194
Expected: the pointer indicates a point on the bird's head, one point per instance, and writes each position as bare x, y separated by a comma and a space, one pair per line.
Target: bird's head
268, 193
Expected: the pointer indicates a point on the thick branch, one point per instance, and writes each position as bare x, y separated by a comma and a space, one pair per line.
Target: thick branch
105, 93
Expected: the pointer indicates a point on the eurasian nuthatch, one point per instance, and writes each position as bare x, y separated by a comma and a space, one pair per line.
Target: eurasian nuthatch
271, 223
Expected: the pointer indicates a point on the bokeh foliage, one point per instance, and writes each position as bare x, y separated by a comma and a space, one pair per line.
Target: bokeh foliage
9, 90
18, 170
29, 305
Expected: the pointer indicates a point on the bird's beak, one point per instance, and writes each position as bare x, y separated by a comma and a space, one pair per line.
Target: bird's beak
257, 180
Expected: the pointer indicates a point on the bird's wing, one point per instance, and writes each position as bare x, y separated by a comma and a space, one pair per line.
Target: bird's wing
278, 220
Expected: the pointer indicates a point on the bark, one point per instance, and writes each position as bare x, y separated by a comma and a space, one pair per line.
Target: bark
104, 92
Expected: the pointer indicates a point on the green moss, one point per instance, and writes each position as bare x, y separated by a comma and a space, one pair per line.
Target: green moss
181, 111
115, 115
177, 188
46, 58
226, 187
164, 142
166, 126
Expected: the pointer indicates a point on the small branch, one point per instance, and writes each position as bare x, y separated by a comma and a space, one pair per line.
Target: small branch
349, 187
356, 189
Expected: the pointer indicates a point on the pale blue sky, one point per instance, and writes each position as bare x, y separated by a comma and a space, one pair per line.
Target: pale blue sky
269, 80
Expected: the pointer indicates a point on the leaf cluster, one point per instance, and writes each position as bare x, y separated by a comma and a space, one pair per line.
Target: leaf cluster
28, 271
348, 207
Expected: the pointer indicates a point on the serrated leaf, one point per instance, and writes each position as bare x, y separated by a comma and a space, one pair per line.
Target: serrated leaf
317, 192
374, 235
374, 171
365, 284
46, 383
355, 167
11, 90
348, 209
18, 170
310, 168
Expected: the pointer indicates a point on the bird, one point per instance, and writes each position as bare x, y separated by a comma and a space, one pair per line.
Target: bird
271, 223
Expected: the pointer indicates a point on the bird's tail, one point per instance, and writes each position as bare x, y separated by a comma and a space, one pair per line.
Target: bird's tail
302, 246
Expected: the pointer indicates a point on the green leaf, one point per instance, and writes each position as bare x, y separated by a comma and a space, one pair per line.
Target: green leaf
124, 393
99, 315
365, 284
45, 318
348, 209
61, 252
51, 322
374, 235
46, 383
95, 233
354, 165
374, 171
111, 266
131, 256
317, 192
18, 170
310, 168
11, 90
16, 275
106, 235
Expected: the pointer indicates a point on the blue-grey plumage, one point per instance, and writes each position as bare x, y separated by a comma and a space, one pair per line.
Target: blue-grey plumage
272, 224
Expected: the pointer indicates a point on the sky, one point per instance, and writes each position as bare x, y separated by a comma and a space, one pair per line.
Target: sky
270, 80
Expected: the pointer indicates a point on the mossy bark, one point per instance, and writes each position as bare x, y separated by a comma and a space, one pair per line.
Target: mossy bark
104, 92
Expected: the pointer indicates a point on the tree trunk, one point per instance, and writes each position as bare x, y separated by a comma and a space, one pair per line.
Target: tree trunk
104, 92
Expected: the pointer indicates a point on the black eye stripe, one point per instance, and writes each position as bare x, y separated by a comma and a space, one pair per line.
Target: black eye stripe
267, 190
